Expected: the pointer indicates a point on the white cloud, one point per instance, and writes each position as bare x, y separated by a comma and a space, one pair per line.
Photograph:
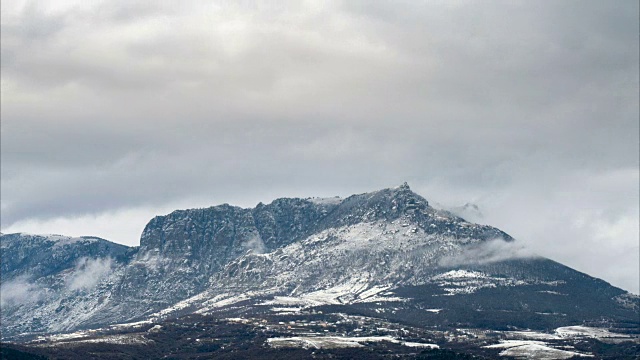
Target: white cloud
19, 291
88, 273
255, 244
488, 252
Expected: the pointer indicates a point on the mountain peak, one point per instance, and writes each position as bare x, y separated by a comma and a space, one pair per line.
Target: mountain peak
403, 193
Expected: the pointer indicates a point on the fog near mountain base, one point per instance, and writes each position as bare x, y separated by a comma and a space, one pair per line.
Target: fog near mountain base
88, 273
487, 252
18, 291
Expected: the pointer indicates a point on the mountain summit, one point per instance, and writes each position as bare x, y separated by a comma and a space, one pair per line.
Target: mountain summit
384, 254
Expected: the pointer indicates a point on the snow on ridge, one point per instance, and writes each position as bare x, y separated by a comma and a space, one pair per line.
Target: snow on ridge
61, 240
47, 236
55, 239
58, 237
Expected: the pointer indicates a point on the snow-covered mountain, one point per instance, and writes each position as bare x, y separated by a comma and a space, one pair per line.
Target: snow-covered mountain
386, 253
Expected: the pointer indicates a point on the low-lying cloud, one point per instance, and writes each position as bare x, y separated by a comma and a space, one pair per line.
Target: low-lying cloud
88, 273
19, 291
488, 252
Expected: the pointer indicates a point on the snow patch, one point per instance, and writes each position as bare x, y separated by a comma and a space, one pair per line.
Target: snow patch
590, 332
223, 300
286, 309
531, 349
127, 339
533, 335
353, 291
460, 274
327, 342
130, 325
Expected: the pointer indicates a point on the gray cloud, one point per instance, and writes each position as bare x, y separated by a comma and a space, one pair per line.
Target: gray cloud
529, 109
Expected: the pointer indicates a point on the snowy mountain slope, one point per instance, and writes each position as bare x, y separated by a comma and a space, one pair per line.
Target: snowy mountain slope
368, 241
56, 282
42, 255
201, 244
378, 252
394, 269
386, 253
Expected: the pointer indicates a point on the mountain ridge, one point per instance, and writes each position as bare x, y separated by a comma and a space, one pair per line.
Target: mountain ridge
384, 253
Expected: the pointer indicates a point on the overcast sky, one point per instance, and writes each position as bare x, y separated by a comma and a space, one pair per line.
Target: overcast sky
116, 111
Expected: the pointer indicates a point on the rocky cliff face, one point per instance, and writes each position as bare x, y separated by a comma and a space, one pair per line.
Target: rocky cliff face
382, 247
181, 251
188, 251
